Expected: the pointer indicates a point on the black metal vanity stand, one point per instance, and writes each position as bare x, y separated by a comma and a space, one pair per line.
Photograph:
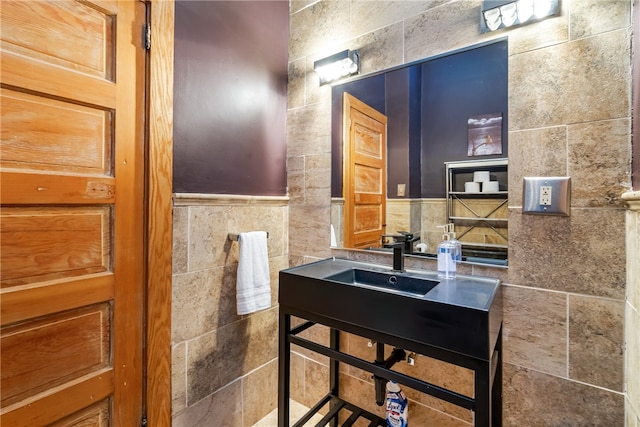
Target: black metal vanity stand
487, 403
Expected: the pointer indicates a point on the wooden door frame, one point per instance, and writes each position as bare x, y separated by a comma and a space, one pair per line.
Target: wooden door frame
159, 206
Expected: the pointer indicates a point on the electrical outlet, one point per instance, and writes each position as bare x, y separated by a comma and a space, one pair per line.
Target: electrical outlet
545, 195
401, 190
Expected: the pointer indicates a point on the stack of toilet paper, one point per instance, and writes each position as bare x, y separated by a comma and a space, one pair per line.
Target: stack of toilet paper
481, 183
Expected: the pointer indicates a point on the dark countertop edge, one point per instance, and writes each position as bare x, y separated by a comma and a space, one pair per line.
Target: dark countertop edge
487, 286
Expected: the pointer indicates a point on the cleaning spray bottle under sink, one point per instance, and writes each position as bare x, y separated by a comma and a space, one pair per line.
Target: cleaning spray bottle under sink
397, 406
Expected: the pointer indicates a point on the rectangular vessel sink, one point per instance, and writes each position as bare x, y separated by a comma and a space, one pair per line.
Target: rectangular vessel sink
400, 282
462, 315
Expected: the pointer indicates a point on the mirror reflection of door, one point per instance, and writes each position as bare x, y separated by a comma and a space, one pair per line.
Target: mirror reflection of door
365, 165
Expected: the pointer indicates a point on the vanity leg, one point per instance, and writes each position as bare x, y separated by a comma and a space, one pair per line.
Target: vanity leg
496, 389
334, 369
284, 369
483, 395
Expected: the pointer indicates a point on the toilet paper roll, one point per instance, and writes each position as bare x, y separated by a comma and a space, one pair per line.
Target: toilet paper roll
481, 176
490, 187
471, 187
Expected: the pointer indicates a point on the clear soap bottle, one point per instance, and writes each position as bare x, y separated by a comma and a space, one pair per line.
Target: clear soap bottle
446, 258
452, 238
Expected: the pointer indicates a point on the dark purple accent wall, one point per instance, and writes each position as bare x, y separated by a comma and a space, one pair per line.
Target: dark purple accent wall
230, 94
398, 93
454, 88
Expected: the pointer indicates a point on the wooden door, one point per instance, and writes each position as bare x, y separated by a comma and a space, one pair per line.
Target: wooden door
72, 218
365, 174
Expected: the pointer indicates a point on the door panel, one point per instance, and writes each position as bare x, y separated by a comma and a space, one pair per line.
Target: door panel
63, 128
365, 185
71, 224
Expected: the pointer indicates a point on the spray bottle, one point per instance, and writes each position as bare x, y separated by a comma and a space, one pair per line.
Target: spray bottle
446, 254
397, 406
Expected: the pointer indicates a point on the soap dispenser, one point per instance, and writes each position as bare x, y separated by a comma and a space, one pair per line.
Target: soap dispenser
452, 238
446, 254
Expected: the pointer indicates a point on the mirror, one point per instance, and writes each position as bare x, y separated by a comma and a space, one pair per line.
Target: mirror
430, 106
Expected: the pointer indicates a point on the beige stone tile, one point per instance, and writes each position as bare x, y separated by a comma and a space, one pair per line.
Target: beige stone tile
316, 382
580, 81
596, 341
318, 334
224, 409
534, 398
551, 31
318, 27
220, 357
578, 254
633, 254
257, 217
262, 345
611, 15
201, 302
297, 5
359, 347
311, 226
360, 393
600, 162
314, 93
295, 179
398, 216
490, 271
178, 378
296, 85
454, 25
207, 236
535, 329
309, 130
275, 265
180, 240
550, 146
259, 393
421, 415
632, 417
368, 16
317, 179
632, 355
446, 375
434, 212
296, 377
380, 49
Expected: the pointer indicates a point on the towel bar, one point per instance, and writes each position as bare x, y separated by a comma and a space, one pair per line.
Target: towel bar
236, 236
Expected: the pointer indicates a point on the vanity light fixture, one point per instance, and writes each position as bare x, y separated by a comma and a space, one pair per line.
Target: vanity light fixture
498, 14
335, 67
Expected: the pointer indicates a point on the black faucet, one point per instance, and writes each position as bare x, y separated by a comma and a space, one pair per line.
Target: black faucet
403, 237
398, 255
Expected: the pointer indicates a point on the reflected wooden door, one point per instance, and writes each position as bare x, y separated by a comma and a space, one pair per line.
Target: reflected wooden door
364, 177
72, 242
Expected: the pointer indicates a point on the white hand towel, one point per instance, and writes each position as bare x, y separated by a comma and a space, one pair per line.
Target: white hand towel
253, 284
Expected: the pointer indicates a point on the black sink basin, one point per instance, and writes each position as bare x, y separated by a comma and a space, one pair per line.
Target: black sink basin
400, 282
462, 315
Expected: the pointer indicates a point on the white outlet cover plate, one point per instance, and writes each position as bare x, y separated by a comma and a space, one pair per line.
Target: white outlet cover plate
560, 195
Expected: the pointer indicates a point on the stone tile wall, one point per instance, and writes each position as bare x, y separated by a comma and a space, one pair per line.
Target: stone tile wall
569, 115
632, 311
224, 369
